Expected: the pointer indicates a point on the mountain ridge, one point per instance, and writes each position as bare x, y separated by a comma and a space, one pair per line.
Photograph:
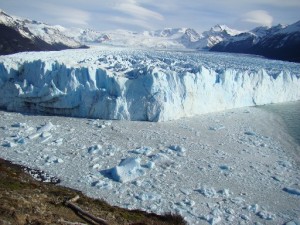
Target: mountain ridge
18, 35
277, 42
163, 38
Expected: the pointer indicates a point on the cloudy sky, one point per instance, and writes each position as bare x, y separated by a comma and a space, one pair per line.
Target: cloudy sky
141, 15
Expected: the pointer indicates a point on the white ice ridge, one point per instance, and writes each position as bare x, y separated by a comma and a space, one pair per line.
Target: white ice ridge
132, 84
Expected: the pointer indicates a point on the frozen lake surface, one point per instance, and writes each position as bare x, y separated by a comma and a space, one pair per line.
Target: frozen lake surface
232, 167
290, 113
238, 166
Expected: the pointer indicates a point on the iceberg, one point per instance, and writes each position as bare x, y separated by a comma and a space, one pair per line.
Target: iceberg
144, 85
128, 170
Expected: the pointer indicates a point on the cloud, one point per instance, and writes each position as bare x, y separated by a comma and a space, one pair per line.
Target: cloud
67, 15
277, 3
137, 11
260, 17
135, 22
156, 14
134, 14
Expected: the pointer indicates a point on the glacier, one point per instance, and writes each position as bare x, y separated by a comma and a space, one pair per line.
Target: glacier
145, 85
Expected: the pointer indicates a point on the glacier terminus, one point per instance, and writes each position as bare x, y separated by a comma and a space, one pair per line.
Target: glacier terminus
144, 85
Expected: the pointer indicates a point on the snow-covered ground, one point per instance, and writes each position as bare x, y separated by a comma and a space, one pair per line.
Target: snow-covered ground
232, 167
134, 84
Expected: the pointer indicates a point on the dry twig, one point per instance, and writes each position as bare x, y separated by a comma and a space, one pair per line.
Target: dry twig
70, 204
64, 222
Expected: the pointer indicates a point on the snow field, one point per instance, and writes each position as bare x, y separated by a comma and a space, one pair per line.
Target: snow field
131, 84
243, 171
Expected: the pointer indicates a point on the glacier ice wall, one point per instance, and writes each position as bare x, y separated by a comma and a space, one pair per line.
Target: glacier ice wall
141, 85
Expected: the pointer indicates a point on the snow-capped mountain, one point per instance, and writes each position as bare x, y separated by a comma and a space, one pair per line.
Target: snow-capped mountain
174, 33
28, 35
278, 42
192, 39
186, 37
174, 38
86, 35
215, 35
162, 39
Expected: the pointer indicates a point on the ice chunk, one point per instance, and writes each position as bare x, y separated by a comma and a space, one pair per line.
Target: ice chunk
137, 183
230, 211
224, 193
251, 133
253, 208
215, 220
46, 128
160, 158
45, 139
224, 168
107, 123
149, 165
53, 159
245, 217
292, 191
177, 148
96, 166
277, 178
186, 191
285, 164
94, 149
209, 192
9, 144
217, 127
21, 140
143, 150
216, 212
129, 169
147, 197
101, 184
59, 160
29, 129
59, 141
237, 200
19, 125
33, 136
46, 134
266, 215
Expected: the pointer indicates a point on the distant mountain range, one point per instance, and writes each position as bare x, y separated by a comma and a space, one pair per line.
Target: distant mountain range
18, 35
278, 42
168, 38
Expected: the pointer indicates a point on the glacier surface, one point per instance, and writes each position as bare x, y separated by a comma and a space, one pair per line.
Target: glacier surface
134, 84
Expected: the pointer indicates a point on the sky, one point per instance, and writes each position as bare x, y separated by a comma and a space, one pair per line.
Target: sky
140, 15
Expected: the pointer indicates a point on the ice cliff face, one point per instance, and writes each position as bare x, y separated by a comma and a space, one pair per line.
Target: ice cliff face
141, 85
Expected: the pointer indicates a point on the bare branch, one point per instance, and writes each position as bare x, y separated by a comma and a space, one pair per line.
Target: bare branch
70, 204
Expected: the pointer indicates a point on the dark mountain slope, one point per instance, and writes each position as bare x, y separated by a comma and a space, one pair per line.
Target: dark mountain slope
277, 42
18, 35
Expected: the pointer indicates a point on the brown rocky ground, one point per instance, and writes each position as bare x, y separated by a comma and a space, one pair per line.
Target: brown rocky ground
24, 200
